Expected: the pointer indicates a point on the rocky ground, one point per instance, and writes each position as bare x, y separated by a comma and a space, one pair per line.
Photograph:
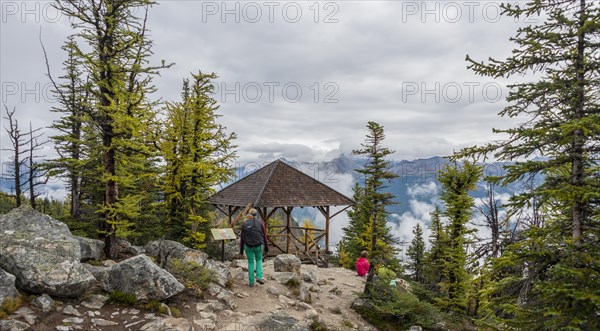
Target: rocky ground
272, 306
64, 284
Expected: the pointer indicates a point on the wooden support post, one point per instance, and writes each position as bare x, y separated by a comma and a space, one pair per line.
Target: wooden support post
229, 215
288, 214
327, 236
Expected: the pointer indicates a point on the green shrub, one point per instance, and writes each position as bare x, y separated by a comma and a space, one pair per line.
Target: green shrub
191, 274
175, 312
294, 285
390, 308
9, 306
122, 299
318, 326
151, 305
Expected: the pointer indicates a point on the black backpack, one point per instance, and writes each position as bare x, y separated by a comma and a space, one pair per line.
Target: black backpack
252, 233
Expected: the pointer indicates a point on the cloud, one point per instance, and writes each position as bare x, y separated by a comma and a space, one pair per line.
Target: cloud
349, 67
427, 189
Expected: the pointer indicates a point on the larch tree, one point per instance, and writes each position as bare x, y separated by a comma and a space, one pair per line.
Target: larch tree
199, 154
555, 266
456, 185
73, 96
116, 55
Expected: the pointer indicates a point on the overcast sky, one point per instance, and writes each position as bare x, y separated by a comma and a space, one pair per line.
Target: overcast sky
301, 79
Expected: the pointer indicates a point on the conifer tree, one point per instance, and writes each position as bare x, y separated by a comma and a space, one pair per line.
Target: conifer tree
369, 216
456, 184
74, 106
199, 154
416, 254
437, 253
548, 279
116, 54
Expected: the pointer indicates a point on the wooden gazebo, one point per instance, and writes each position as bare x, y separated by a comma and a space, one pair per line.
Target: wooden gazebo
279, 186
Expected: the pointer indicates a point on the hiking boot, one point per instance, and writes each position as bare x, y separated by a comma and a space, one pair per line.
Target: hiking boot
260, 281
251, 285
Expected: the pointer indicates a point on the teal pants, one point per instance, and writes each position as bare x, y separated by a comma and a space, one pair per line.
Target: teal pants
254, 254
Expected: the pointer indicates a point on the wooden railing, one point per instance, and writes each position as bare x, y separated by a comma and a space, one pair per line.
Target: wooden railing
304, 242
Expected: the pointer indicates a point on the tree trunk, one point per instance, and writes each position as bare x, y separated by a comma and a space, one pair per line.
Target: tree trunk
577, 166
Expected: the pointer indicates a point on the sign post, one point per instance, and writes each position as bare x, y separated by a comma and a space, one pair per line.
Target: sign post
223, 234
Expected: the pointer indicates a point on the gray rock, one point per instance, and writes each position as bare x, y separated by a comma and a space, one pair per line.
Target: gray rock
30, 319
232, 250
73, 320
63, 328
24, 311
239, 263
69, 310
415, 328
305, 295
285, 277
210, 316
103, 322
168, 324
13, 325
240, 275
286, 301
206, 324
43, 302
166, 250
226, 296
273, 290
220, 270
210, 306
278, 321
100, 273
133, 324
139, 276
134, 250
91, 249
287, 263
305, 305
311, 314
42, 254
7, 286
310, 276
96, 301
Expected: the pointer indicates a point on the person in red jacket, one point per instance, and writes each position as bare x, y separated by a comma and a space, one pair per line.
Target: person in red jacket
362, 264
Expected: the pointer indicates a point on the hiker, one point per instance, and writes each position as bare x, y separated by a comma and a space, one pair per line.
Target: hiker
252, 241
362, 264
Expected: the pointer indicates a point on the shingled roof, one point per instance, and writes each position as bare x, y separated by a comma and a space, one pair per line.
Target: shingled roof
279, 185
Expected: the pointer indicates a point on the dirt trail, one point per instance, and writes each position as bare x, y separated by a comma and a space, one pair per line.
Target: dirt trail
332, 296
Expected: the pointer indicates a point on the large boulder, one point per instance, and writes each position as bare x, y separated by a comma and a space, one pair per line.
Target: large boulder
220, 270
165, 250
42, 254
287, 263
91, 249
140, 276
7, 286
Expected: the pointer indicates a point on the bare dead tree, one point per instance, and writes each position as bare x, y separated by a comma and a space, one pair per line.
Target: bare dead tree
499, 227
18, 149
37, 173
